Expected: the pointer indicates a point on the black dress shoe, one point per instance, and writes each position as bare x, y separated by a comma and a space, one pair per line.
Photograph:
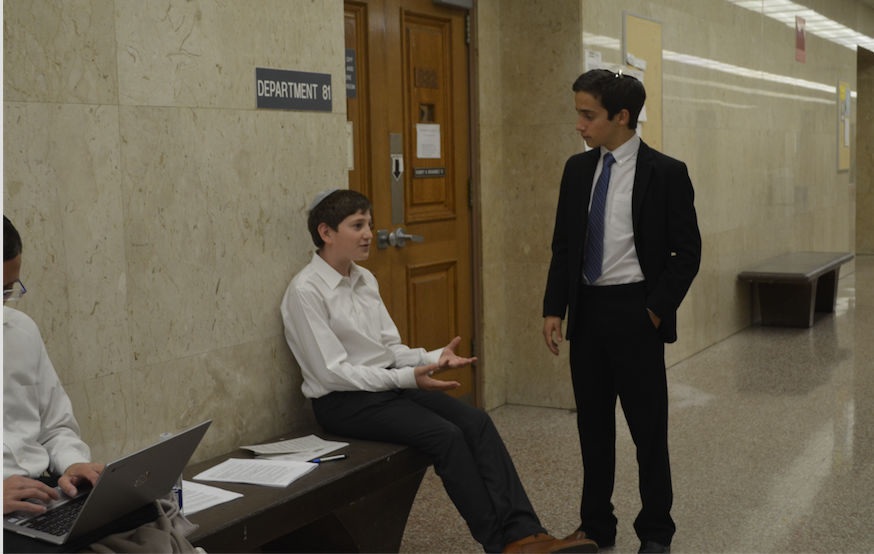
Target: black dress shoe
652, 546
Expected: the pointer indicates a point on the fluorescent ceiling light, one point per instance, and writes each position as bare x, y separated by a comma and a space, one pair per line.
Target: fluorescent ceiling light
814, 22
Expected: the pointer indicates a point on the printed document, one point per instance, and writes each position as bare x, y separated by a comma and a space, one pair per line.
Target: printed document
197, 497
269, 473
310, 443
302, 449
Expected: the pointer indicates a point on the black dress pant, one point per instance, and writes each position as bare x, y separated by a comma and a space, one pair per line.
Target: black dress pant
616, 351
463, 444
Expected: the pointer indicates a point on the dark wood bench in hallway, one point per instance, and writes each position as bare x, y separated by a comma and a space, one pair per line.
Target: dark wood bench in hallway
794, 286
360, 504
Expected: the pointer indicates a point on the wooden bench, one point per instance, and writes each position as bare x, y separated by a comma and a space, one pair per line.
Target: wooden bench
793, 286
360, 504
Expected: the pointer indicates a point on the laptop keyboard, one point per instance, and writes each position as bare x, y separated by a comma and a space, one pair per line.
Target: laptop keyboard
58, 521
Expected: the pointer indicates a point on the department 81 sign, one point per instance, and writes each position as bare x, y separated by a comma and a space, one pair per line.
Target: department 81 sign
280, 89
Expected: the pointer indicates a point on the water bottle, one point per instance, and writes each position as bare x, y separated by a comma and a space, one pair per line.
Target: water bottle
177, 487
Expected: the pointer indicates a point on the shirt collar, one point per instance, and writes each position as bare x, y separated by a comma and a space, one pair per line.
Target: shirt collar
7, 314
627, 151
330, 275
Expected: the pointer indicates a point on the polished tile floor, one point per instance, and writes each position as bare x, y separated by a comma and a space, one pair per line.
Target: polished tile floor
771, 436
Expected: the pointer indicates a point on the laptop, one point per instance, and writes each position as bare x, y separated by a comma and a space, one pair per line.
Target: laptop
125, 485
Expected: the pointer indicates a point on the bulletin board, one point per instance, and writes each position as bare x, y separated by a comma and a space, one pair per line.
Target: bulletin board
642, 47
844, 108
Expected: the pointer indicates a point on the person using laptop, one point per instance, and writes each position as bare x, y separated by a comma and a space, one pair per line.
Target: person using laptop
364, 383
40, 432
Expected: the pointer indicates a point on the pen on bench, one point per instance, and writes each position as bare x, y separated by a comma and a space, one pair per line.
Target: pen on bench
329, 459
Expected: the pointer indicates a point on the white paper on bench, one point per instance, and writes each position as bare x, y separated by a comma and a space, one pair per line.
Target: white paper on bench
269, 473
305, 456
200, 497
310, 443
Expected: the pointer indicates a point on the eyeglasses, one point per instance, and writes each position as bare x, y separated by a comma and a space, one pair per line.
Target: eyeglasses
14, 293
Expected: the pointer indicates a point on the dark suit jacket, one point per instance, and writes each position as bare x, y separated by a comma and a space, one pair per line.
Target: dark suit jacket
666, 235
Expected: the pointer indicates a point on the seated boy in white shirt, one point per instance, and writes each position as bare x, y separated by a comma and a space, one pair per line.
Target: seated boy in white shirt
39, 430
365, 384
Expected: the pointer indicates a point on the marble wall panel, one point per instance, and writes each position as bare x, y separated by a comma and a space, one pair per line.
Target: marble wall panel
865, 155
61, 191
536, 87
603, 19
59, 51
204, 54
31, 204
215, 220
535, 376
495, 357
493, 191
532, 181
493, 360
106, 415
863, 20
842, 11
245, 389
488, 59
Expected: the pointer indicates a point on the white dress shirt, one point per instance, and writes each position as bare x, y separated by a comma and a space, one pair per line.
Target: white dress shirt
39, 430
620, 264
341, 334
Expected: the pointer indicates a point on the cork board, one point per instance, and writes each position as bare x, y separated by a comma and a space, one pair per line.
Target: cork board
642, 41
844, 118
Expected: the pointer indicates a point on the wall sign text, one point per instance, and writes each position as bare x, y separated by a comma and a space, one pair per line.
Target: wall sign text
280, 89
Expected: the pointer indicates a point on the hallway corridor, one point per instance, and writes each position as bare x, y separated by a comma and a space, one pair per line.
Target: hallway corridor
772, 446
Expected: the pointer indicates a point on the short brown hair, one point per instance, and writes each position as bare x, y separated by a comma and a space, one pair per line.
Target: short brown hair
336, 207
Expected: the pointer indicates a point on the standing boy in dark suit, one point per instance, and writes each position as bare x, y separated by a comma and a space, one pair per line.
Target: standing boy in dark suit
626, 248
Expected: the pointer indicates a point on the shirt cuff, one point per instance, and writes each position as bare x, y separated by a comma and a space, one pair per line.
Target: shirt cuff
407, 378
64, 460
433, 356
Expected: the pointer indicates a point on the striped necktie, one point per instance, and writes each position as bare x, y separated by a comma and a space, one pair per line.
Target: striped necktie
595, 237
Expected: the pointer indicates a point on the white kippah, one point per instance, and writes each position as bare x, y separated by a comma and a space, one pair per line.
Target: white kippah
321, 196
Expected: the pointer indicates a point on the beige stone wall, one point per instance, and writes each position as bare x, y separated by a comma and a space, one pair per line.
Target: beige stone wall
162, 215
493, 274
865, 154
760, 152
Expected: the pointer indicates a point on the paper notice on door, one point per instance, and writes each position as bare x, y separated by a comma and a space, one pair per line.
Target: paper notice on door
428, 141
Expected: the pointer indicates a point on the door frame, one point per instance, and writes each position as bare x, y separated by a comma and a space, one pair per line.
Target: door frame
474, 204
476, 252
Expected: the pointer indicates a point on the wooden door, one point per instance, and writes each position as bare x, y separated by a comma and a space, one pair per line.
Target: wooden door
410, 113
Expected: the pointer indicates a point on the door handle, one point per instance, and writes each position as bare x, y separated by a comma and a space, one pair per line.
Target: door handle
397, 238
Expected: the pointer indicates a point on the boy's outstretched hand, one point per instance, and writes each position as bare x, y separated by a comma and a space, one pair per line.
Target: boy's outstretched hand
448, 360
425, 382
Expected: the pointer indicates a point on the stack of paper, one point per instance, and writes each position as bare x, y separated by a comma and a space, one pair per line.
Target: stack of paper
270, 473
302, 449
